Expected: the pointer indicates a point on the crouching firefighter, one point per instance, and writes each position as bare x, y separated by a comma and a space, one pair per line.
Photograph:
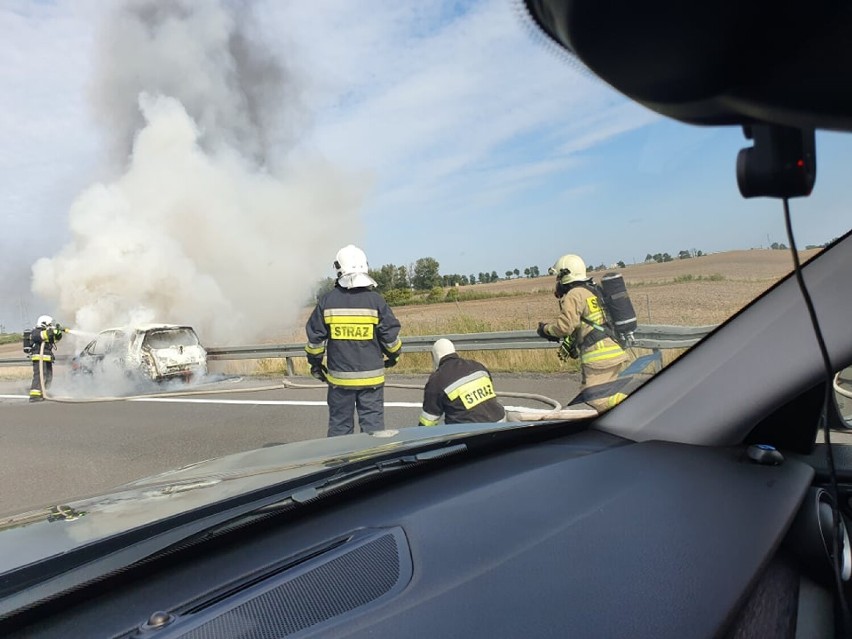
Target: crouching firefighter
353, 326
461, 390
42, 346
584, 332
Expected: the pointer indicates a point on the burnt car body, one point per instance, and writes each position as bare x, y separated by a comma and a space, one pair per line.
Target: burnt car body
149, 352
695, 508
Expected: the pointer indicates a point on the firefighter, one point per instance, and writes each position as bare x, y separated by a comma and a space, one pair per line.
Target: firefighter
44, 337
582, 329
353, 326
459, 389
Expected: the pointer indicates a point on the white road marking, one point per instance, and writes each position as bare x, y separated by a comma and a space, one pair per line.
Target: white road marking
252, 402
263, 402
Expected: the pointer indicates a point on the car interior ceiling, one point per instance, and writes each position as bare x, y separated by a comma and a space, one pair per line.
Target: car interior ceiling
652, 520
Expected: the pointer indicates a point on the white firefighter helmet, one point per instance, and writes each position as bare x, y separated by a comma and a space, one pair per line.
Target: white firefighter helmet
569, 268
352, 268
44, 321
440, 349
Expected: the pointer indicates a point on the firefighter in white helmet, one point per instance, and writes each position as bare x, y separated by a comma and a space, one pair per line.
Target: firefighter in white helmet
582, 329
461, 390
355, 329
43, 337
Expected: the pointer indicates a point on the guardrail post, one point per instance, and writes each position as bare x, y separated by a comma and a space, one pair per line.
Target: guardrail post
658, 361
290, 371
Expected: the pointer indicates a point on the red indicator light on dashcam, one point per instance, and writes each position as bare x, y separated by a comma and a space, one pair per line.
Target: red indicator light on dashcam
800, 163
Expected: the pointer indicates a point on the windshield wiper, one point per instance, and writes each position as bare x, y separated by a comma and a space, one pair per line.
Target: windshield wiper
49, 579
315, 491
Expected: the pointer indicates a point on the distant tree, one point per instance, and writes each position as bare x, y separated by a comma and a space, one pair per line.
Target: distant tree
381, 282
517, 273
649, 258
464, 280
324, 286
494, 277
699, 254
527, 272
508, 275
684, 255
775, 246
473, 278
621, 264
401, 279
398, 296
483, 278
601, 267
534, 271
436, 294
387, 278
667, 257
658, 257
425, 274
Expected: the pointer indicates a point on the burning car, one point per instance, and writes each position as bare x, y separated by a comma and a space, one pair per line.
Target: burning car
155, 352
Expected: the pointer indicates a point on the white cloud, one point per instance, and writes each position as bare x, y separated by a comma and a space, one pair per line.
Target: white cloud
449, 112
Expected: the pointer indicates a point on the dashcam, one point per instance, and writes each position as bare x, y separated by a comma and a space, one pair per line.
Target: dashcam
781, 163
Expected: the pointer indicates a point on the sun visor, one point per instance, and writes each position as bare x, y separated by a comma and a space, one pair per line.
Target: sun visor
722, 63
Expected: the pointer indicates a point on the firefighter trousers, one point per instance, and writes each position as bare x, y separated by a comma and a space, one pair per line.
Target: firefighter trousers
342, 404
35, 388
596, 376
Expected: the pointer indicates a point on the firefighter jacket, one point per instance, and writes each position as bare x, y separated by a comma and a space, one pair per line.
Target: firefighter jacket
353, 328
582, 318
47, 336
462, 391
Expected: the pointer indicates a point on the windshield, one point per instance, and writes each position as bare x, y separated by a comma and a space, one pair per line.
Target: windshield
169, 338
372, 220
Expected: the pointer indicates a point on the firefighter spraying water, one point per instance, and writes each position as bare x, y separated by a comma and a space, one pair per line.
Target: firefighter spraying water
41, 343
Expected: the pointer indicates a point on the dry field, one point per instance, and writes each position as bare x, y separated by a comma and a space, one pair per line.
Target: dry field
739, 277
661, 294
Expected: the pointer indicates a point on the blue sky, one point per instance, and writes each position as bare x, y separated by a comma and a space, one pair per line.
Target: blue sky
475, 144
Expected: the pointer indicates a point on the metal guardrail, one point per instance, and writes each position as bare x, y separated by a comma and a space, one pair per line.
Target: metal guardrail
654, 337
651, 337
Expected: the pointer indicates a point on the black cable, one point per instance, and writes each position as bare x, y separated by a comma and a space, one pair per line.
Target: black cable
837, 538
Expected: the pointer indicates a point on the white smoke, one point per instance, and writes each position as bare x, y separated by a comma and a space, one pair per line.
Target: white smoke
201, 228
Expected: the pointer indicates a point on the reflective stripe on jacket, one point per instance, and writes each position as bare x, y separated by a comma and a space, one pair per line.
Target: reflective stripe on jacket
40, 335
462, 391
579, 302
353, 328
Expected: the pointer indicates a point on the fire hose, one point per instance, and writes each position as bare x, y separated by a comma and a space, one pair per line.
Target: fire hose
285, 384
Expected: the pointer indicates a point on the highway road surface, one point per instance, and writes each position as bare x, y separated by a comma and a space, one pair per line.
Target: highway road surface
53, 452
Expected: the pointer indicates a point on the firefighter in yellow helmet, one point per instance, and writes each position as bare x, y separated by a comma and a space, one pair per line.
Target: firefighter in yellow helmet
582, 329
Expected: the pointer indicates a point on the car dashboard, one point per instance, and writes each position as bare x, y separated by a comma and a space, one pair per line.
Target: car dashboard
585, 535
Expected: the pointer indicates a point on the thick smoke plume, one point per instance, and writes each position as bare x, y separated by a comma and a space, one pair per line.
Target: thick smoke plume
201, 226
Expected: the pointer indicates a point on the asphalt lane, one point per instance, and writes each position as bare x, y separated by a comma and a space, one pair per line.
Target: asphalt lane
53, 452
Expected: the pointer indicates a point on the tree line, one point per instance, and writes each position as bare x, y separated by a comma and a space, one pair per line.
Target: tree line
399, 281
425, 274
665, 257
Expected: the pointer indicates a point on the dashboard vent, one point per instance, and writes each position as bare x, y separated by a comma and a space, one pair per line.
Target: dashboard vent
364, 571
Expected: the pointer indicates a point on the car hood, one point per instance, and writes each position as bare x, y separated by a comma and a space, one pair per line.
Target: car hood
46, 532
